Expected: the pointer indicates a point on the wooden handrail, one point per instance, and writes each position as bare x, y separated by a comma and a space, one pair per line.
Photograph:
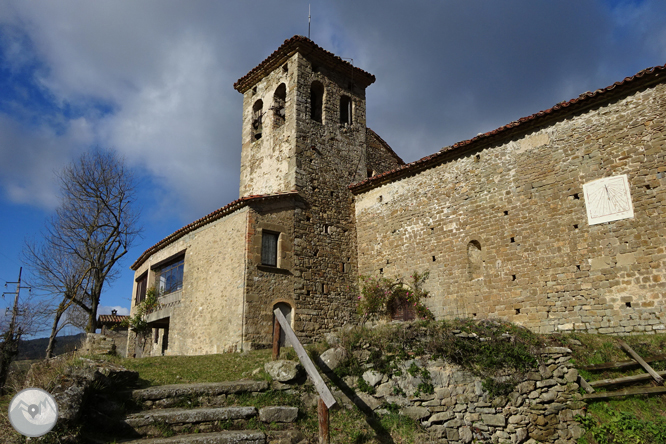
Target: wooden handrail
326, 399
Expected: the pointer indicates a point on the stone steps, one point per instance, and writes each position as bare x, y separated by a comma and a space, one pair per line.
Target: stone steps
188, 416
207, 423
223, 437
198, 389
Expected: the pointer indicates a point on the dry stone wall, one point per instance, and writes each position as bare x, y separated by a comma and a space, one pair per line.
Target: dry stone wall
541, 409
503, 229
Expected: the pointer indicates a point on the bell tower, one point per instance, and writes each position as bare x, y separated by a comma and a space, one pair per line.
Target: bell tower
303, 122
304, 130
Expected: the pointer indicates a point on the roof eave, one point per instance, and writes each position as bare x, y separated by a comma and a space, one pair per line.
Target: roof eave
584, 102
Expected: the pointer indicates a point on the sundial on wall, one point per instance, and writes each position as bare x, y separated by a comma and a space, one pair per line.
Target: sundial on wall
608, 199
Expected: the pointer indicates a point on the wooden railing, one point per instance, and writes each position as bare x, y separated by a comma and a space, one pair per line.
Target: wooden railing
326, 399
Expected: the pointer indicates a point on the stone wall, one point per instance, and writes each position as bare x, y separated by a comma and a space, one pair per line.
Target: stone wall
206, 315
330, 156
266, 285
503, 230
379, 155
268, 164
541, 408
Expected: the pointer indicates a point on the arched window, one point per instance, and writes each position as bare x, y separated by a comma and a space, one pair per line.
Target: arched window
286, 311
474, 260
257, 113
345, 110
316, 100
279, 98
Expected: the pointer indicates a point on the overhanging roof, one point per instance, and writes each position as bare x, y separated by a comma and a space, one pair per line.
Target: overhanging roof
311, 51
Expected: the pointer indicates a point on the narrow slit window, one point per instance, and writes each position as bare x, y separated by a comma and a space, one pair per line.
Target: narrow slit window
345, 110
257, 115
269, 243
316, 101
279, 100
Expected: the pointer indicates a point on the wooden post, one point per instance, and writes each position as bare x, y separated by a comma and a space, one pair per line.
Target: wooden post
644, 364
322, 413
276, 340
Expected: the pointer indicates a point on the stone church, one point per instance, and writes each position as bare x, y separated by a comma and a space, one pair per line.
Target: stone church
555, 221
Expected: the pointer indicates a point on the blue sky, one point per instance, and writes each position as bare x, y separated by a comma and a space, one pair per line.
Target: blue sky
154, 81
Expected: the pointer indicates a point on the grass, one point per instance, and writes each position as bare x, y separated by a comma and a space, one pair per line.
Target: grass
639, 419
163, 370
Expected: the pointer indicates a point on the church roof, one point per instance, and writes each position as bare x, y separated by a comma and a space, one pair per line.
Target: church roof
215, 215
583, 102
312, 52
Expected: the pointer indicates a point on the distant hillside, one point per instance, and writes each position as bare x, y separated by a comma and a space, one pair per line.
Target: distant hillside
36, 348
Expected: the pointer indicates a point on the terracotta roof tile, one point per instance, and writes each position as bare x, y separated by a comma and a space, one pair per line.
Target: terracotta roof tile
111, 319
642, 79
217, 214
307, 47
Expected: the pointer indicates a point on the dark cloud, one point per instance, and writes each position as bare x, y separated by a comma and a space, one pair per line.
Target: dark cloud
154, 79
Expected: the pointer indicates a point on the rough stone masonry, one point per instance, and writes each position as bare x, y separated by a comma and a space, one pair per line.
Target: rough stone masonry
500, 221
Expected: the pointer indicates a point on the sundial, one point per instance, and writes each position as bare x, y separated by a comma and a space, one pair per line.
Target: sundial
608, 199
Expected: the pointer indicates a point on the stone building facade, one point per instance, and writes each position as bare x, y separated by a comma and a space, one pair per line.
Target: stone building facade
500, 221
289, 241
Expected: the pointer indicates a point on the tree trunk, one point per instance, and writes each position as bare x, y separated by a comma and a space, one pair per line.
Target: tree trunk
54, 329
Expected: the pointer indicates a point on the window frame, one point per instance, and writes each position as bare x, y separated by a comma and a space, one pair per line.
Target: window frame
275, 254
141, 288
173, 263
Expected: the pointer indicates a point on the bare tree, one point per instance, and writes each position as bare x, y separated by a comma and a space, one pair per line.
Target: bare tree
63, 277
93, 228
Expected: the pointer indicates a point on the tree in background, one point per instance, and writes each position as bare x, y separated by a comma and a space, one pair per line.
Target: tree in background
92, 229
64, 277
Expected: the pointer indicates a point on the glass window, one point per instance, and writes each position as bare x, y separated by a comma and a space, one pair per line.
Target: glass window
170, 277
269, 243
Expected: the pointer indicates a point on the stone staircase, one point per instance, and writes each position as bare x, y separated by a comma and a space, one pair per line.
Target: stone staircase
192, 413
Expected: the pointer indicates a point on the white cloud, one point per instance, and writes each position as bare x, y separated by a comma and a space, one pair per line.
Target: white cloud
154, 79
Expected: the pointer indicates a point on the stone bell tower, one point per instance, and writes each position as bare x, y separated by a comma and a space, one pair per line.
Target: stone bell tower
303, 122
304, 130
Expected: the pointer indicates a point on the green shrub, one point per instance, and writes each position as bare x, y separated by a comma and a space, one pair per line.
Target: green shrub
380, 296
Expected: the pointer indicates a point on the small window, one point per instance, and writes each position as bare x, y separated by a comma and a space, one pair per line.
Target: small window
316, 101
269, 244
279, 99
345, 110
141, 284
169, 278
257, 115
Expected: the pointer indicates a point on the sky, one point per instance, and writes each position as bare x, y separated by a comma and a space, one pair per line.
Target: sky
153, 80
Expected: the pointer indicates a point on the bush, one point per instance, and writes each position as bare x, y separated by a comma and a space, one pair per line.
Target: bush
380, 296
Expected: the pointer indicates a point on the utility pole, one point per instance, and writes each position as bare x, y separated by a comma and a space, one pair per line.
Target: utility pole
9, 345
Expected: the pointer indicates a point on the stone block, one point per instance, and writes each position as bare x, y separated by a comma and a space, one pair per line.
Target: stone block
278, 414
494, 420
